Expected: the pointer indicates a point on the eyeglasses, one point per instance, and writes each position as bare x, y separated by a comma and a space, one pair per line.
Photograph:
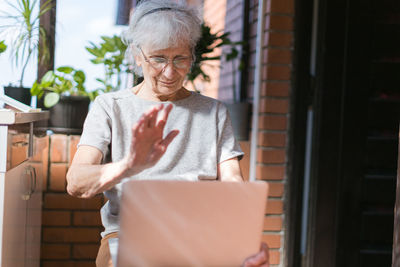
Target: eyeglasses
159, 63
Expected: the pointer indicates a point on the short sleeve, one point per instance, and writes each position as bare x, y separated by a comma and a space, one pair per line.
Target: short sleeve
227, 146
97, 127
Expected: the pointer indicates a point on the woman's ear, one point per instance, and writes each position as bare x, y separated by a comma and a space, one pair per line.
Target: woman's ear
138, 60
136, 56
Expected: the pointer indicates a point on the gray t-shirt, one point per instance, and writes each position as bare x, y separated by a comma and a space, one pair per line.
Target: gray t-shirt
205, 139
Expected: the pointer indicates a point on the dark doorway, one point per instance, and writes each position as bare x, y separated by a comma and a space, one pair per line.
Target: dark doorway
355, 103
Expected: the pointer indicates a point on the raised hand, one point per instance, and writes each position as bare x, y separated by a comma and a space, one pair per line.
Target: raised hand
147, 144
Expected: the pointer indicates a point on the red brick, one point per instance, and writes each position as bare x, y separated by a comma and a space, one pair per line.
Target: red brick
271, 155
272, 139
274, 257
280, 89
275, 189
276, 22
273, 241
73, 142
270, 172
87, 218
58, 172
274, 207
58, 151
278, 73
279, 39
271, 105
40, 148
65, 201
55, 251
282, 6
68, 263
85, 251
56, 218
268, 122
277, 56
75, 235
272, 223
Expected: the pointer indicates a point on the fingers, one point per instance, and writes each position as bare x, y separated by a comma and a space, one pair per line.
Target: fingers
152, 117
168, 139
259, 259
147, 120
138, 126
161, 147
164, 116
264, 248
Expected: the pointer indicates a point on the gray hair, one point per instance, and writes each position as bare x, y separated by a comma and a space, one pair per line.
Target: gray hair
161, 24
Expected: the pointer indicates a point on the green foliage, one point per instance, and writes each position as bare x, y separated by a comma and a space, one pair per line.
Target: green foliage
109, 53
23, 24
207, 43
64, 81
3, 47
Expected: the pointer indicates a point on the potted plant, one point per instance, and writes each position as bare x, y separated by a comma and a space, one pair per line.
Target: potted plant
206, 44
66, 96
23, 27
111, 54
239, 110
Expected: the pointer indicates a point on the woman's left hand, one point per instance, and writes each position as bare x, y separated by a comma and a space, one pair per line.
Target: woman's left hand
260, 259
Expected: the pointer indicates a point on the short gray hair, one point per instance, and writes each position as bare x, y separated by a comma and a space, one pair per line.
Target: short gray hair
161, 24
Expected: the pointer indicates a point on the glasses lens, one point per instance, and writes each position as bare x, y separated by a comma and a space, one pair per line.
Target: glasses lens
181, 63
158, 62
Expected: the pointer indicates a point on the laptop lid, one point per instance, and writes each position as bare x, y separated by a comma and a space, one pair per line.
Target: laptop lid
179, 223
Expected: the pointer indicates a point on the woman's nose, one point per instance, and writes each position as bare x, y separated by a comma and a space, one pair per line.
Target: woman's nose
169, 70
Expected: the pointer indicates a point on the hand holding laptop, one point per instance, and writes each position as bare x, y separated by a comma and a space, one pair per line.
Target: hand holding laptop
260, 259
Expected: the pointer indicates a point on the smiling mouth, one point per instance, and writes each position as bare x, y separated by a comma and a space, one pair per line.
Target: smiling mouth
168, 83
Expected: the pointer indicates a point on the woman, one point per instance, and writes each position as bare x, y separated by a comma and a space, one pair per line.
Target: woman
123, 136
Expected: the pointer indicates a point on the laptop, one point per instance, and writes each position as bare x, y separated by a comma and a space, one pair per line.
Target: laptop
180, 223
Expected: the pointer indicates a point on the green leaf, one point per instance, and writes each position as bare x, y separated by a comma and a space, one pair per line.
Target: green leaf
35, 90
97, 60
48, 79
96, 51
101, 81
3, 46
79, 77
232, 55
65, 69
51, 99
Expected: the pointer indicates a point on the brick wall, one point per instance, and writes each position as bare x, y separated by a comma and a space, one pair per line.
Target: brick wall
274, 102
70, 226
274, 108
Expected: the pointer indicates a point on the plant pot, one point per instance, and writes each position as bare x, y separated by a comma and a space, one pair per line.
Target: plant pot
69, 113
20, 94
240, 116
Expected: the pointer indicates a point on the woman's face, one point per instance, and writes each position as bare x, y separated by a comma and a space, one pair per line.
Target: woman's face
165, 69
